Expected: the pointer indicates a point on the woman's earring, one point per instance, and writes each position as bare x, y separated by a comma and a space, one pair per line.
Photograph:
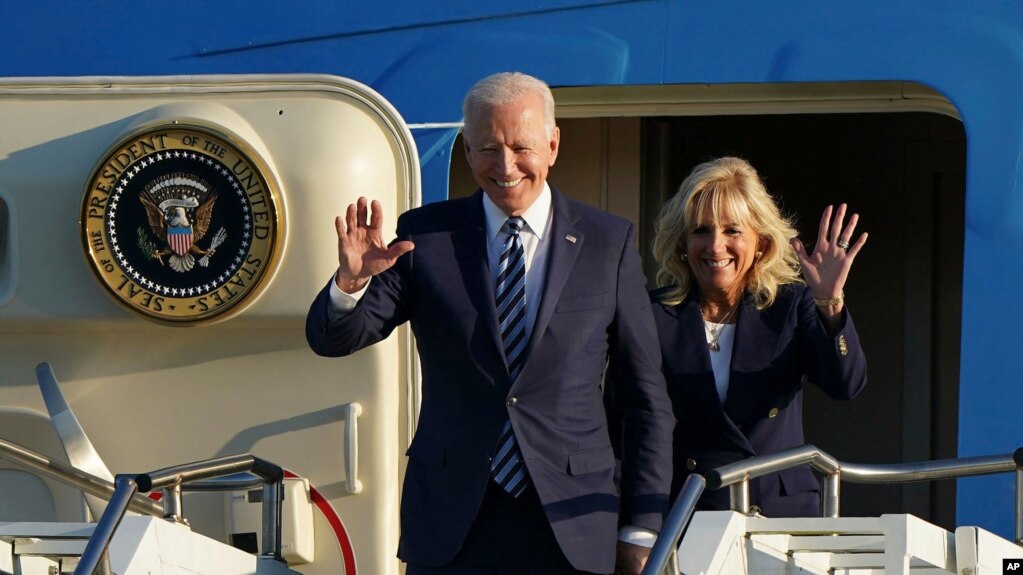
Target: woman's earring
685, 256
759, 254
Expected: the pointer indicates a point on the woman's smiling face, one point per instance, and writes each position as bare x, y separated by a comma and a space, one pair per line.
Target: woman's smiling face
720, 254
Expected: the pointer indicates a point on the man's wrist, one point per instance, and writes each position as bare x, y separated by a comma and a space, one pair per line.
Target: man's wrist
637, 536
342, 303
349, 286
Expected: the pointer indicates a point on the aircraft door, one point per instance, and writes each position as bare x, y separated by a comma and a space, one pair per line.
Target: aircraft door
161, 240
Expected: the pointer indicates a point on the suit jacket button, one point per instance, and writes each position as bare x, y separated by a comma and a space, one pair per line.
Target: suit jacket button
511, 401
843, 348
691, 464
773, 412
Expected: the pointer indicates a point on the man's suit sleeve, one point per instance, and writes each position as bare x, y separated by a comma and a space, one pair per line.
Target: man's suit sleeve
640, 397
383, 307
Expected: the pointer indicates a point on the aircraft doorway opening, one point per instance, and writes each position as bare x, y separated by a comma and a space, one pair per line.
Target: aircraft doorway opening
900, 164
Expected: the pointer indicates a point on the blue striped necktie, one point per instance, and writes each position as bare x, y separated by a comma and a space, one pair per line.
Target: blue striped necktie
507, 467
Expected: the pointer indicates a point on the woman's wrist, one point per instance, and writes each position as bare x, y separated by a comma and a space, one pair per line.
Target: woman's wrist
830, 302
830, 311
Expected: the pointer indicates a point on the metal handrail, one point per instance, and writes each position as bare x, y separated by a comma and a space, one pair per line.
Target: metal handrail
736, 477
665, 548
170, 480
72, 476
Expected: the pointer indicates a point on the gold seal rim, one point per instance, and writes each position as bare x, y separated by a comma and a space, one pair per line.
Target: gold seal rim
266, 176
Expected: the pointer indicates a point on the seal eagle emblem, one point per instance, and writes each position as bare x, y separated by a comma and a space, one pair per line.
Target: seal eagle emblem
181, 224
169, 200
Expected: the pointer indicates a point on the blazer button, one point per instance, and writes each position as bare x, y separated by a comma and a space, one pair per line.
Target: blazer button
691, 464
511, 401
773, 412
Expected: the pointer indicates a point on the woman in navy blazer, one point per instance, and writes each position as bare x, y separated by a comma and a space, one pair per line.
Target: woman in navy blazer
741, 328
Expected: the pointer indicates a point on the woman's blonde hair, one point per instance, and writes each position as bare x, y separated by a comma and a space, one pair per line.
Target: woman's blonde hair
725, 186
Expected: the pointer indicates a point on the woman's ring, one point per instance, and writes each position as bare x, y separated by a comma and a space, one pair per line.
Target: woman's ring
842, 244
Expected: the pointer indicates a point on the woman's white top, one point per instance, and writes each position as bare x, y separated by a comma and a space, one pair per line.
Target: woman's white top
721, 360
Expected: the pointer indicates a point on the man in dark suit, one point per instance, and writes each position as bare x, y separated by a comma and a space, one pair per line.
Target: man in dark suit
519, 299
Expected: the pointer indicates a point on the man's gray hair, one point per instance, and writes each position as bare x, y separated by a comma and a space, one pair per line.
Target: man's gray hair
506, 87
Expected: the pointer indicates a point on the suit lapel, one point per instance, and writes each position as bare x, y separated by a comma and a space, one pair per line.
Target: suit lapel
470, 245
698, 359
753, 329
562, 257
691, 322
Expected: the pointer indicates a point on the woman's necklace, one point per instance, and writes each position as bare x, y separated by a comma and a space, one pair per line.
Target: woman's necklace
714, 329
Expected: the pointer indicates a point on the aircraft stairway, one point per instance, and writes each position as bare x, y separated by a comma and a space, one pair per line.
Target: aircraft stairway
134, 534
729, 543
742, 542
142, 545
156, 540
42, 548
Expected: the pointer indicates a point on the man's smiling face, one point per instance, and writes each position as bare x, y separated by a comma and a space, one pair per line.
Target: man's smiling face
510, 152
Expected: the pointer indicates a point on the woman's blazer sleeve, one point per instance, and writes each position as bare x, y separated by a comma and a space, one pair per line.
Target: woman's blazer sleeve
833, 362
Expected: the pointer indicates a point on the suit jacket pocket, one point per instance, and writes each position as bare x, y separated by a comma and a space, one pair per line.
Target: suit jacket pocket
591, 460
798, 480
426, 450
581, 303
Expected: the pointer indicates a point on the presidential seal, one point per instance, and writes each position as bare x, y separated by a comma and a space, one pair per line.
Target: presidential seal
181, 224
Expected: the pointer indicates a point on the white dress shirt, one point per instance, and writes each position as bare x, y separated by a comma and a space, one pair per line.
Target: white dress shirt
535, 243
721, 360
